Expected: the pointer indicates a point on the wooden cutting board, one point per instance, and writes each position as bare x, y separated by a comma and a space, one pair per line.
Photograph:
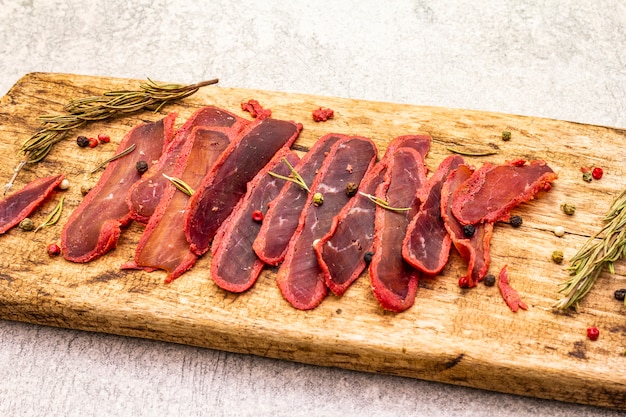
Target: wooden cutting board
463, 337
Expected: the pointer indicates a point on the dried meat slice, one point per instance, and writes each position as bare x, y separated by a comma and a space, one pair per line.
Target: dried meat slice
394, 282
226, 183
340, 253
474, 249
163, 244
20, 204
509, 294
300, 278
234, 266
426, 245
95, 226
144, 196
493, 191
281, 220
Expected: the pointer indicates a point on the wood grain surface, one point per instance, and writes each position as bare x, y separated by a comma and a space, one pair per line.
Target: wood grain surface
463, 337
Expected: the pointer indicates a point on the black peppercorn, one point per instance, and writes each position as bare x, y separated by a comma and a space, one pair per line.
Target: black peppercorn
489, 280
142, 166
368, 257
516, 221
620, 294
82, 141
469, 230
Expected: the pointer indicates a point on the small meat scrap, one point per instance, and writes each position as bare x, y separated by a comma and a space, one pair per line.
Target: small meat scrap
473, 249
20, 204
281, 220
95, 226
394, 282
322, 114
493, 191
234, 266
255, 109
510, 295
163, 244
144, 196
300, 278
226, 183
341, 252
426, 245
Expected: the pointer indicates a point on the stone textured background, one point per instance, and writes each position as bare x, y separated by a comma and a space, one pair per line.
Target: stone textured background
563, 60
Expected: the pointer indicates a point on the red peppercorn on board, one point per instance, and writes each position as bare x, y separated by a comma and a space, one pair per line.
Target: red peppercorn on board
459, 336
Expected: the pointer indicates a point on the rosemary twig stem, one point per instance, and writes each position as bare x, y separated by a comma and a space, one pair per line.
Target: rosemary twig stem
383, 203
295, 177
600, 251
150, 96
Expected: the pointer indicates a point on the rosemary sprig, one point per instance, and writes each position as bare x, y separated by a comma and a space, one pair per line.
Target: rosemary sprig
601, 250
53, 217
469, 153
114, 157
383, 203
181, 185
295, 177
150, 96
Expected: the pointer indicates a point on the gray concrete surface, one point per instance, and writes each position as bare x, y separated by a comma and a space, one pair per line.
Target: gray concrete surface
563, 60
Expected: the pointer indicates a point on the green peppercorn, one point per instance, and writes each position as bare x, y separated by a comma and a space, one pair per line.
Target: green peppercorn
516, 221
82, 141
318, 199
557, 256
587, 176
489, 280
27, 224
569, 209
142, 166
84, 189
351, 189
506, 136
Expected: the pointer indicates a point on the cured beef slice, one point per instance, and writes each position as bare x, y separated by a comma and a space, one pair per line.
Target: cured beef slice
493, 191
340, 253
426, 245
95, 226
144, 196
300, 278
510, 295
163, 244
475, 249
394, 282
281, 220
226, 183
20, 204
234, 266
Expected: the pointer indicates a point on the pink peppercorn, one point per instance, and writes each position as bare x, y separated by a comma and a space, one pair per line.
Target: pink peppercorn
597, 173
593, 333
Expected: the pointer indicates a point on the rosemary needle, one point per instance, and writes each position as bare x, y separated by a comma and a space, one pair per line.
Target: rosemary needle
180, 184
150, 96
296, 178
382, 203
114, 157
469, 153
601, 250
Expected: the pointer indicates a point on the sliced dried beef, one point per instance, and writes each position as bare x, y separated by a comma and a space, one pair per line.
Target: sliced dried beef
95, 226
300, 278
163, 244
145, 195
20, 204
427, 244
281, 220
474, 249
394, 282
234, 265
225, 184
493, 191
509, 294
341, 252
